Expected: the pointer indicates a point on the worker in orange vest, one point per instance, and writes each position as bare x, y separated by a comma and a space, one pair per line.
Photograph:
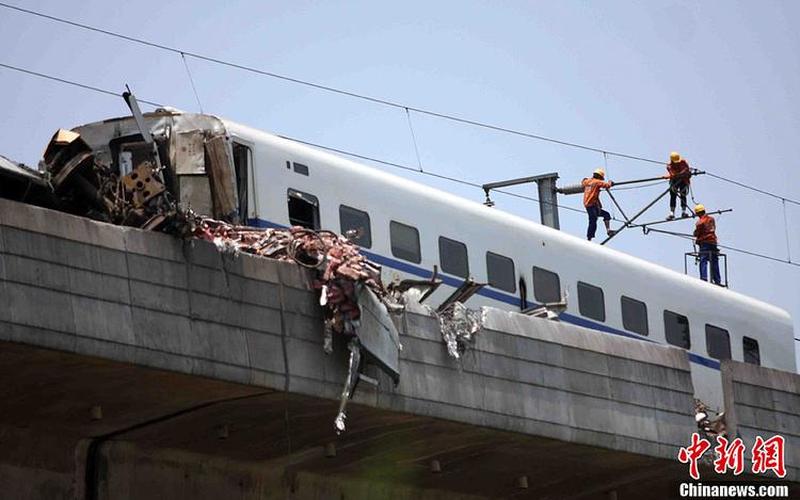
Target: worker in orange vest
591, 200
678, 173
706, 237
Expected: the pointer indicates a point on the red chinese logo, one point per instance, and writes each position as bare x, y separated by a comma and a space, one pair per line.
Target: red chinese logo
729, 456
692, 453
767, 455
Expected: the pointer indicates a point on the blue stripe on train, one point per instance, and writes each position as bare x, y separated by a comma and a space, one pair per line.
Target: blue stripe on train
497, 295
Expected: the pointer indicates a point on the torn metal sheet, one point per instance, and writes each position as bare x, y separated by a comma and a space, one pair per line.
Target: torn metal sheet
188, 152
12, 168
349, 383
222, 179
459, 325
377, 333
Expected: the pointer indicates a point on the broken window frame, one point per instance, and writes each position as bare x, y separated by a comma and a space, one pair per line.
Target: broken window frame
458, 266
718, 342
411, 255
497, 280
672, 322
364, 239
637, 307
310, 199
543, 285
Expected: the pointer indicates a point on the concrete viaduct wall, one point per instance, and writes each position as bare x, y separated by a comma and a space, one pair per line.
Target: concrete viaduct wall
196, 357
763, 402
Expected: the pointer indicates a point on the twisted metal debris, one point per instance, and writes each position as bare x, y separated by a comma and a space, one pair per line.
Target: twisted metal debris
141, 190
341, 270
458, 325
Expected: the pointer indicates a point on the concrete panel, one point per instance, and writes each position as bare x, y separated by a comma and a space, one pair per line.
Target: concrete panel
213, 341
203, 253
252, 267
155, 245
758, 401
230, 312
266, 351
40, 307
159, 298
63, 225
302, 327
99, 286
158, 271
38, 336
104, 320
162, 331
37, 273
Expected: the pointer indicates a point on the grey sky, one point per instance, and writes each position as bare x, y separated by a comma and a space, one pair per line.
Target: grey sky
715, 80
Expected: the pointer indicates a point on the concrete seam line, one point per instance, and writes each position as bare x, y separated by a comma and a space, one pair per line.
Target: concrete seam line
96, 443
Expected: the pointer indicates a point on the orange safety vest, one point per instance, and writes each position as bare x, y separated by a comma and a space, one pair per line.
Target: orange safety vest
678, 171
705, 230
591, 191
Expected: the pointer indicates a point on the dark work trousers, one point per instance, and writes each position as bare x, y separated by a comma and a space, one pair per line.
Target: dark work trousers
709, 252
678, 188
594, 212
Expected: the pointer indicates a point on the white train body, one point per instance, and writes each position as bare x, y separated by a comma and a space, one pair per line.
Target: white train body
754, 328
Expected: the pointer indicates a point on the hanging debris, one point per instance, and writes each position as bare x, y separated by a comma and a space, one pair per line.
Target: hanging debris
344, 275
349, 383
709, 425
458, 325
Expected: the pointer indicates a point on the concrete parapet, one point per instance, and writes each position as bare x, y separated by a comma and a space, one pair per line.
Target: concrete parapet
763, 402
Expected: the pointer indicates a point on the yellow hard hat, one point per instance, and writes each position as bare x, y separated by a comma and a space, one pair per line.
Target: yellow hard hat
600, 172
699, 208
674, 157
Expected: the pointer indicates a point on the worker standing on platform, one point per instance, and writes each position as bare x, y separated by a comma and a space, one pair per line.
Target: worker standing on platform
705, 233
591, 200
678, 173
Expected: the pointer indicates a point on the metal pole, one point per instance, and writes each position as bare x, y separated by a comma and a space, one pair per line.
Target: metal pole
645, 224
636, 181
628, 224
617, 204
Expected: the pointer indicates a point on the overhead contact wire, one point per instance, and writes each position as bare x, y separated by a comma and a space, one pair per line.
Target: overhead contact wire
376, 160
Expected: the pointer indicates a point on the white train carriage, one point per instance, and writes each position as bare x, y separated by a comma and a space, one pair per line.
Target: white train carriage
409, 228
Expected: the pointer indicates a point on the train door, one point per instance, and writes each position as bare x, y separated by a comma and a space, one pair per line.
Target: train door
245, 181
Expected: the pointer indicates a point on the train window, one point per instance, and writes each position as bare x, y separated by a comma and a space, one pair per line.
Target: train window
405, 242
353, 219
718, 342
634, 315
751, 352
591, 301
453, 257
300, 168
546, 285
241, 165
676, 329
303, 209
500, 272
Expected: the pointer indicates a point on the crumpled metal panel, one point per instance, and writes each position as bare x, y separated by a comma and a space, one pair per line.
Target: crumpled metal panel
188, 152
458, 325
162, 124
18, 170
